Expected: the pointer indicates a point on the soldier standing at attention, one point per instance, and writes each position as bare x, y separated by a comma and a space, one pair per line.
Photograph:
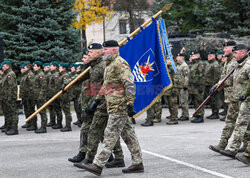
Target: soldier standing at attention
120, 108
196, 84
9, 97
212, 76
182, 79
40, 95
1, 95
27, 91
65, 98
241, 77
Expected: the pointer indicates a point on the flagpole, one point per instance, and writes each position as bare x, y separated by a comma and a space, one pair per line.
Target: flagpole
164, 9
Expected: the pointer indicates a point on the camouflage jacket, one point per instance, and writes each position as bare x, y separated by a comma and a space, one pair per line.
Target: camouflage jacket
182, 77
212, 73
40, 84
9, 85
47, 76
173, 90
1, 94
118, 86
241, 77
53, 83
27, 85
64, 78
247, 89
228, 84
196, 77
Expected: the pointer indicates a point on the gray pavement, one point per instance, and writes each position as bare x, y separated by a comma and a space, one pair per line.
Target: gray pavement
168, 151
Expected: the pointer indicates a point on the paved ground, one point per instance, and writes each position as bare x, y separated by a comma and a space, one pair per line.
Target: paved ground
168, 151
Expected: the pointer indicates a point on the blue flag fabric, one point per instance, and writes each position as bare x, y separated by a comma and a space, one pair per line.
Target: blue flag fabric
145, 55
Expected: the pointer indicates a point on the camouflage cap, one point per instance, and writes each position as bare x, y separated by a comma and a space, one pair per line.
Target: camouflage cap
229, 43
38, 63
239, 47
110, 43
95, 46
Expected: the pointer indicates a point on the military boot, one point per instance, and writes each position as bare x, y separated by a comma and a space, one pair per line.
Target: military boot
223, 119
223, 113
197, 119
11, 132
183, 118
216, 148
57, 126
31, 128
147, 123
132, 120
78, 158
50, 124
172, 122
134, 169
66, 129
4, 130
242, 158
243, 148
228, 153
167, 117
156, 120
115, 163
214, 116
80, 165
41, 130
93, 168
77, 122
3, 127
25, 126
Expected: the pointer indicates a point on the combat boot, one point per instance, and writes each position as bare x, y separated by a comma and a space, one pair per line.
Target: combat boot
134, 169
197, 119
242, 158
223, 119
4, 130
132, 120
172, 122
11, 132
50, 124
243, 148
115, 163
156, 120
183, 118
57, 126
3, 127
167, 117
78, 158
80, 165
66, 129
216, 148
25, 126
31, 128
228, 153
223, 113
93, 168
77, 122
147, 123
41, 130
214, 116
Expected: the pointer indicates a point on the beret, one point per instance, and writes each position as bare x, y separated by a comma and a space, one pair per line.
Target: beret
85, 52
110, 43
1, 67
219, 52
39, 63
54, 63
211, 52
24, 64
6, 62
180, 54
46, 64
239, 47
66, 65
95, 46
230, 43
195, 52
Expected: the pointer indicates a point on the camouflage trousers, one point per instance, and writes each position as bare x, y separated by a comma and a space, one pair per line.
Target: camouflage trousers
213, 102
10, 114
119, 125
52, 112
40, 103
155, 111
58, 110
65, 104
247, 151
172, 101
77, 107
95, 135
183, 102
197, 99
29, 108
241, 125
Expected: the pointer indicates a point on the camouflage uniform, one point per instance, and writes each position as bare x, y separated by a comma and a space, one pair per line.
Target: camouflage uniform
196, 84
233, 106
40, 96
182, 79
155, 111
247, 93
27, 93
212, 76
9, 97
118, 74
241, 76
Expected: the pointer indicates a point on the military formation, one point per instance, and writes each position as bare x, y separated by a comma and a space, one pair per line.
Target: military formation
104, 98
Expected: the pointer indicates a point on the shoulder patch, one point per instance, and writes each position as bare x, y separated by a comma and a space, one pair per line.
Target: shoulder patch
29, 76
9, 76
128, 76
186, 71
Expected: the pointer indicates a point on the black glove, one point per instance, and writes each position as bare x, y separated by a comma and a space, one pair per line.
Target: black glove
131, 110
185, 88
211, 91
243, 97
92, 108
62, 88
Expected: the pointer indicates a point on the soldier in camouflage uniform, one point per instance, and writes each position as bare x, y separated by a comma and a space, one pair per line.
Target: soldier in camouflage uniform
196, 84
40, 96
9, 97
212, 76
65, 98
1, 95
118, 101
55, 123
171, 97
241, 77
245, 157
232, 112
153, 114
26, 91
182, 80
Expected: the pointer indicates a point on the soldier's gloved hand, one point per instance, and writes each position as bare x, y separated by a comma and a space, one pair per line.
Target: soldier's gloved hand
92, 108
243, 97
131, 111
185, 88
62, 88
211, 92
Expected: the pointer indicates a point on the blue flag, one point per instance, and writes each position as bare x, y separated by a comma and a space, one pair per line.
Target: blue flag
145, 55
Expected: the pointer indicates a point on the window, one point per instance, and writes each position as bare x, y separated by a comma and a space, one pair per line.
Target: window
123, 26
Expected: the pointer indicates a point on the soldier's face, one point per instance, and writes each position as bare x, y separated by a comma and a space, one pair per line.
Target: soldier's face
61, 69
228, 50
219, 56
86, 59
5, 67
46, 68
179, 59
239, 54
224, 59
94, 53
36, 67
107, 51
210, 57
52, 67
78, 69
24, 69
72, 69
1, 72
